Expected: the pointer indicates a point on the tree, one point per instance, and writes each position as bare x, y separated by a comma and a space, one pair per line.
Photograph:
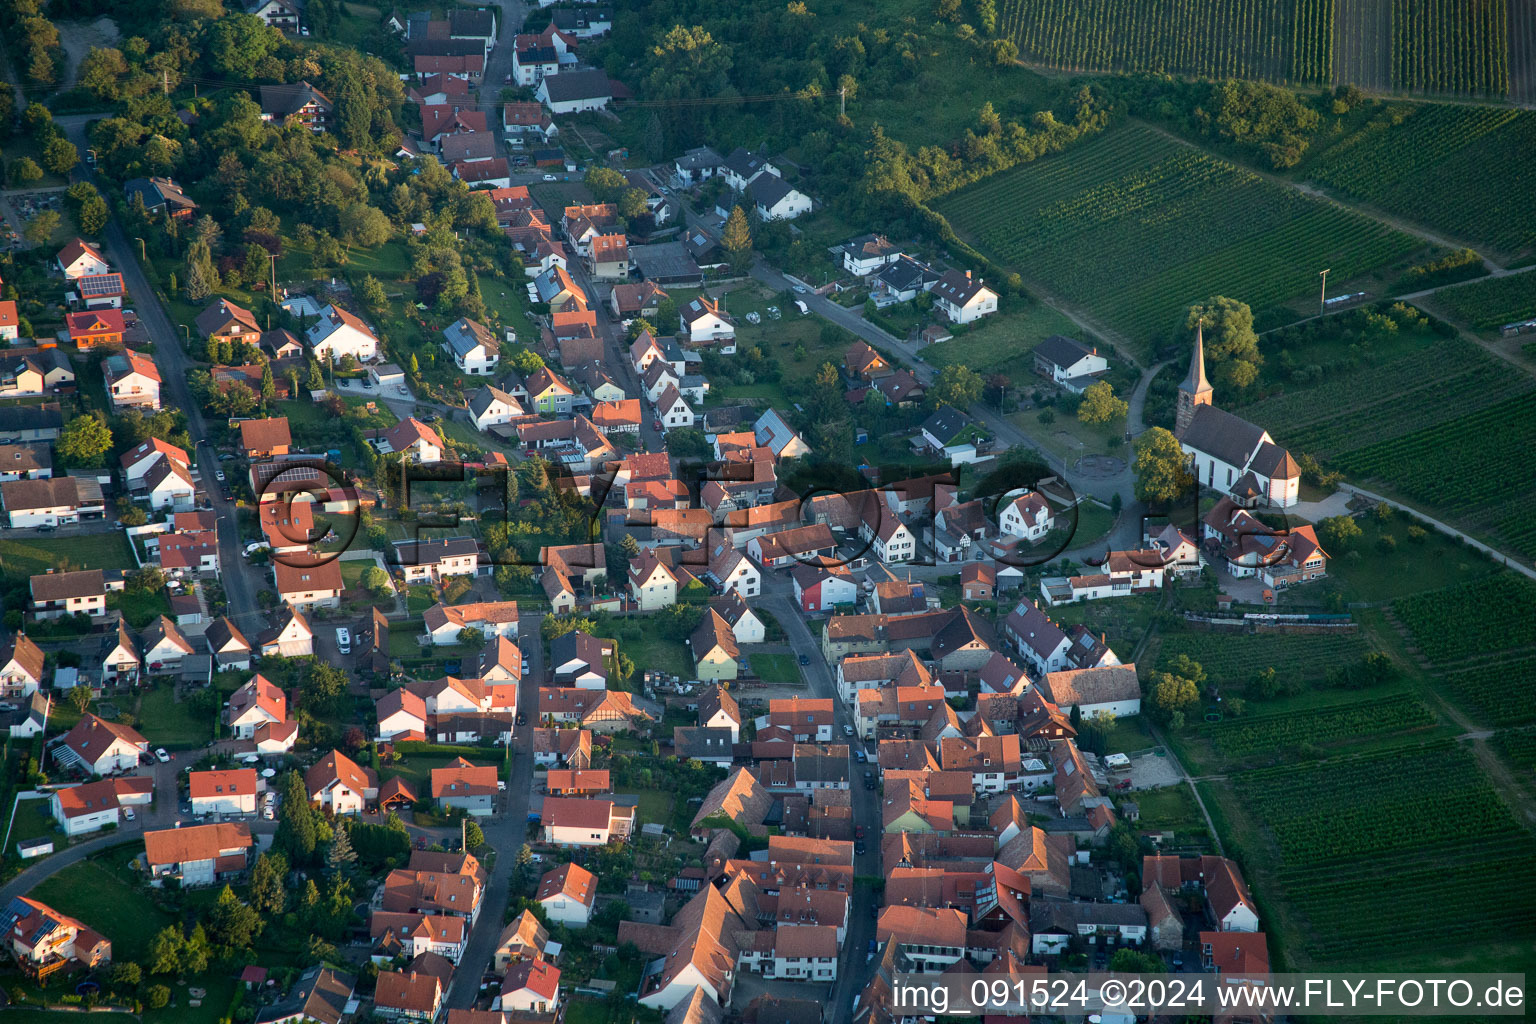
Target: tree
373, 298
339, 856
24, 171
231, 924
165, 950
80, 698
202, 276
296, 832
556, 626
365, 226
1171, 694
632, 204
1133, 961
84, 442
1162, 469
736, 240
376, 581
1231, 346
1338, 533
469, 636
101, 71
687, 443
956, 385
474, 836
269, 883
157, 997
238, 43
60, 155
1099, 404
148, 580
41, 227
268, 384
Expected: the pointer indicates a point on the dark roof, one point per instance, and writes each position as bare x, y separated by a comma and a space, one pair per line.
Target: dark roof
744, 162
946, 423
1061, 350
958, 287
906, 273
1222, 435
768, 189
31, 417
320, 994
282, 100
701, 742
578, 85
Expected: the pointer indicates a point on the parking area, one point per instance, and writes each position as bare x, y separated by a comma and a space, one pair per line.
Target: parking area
1149, 770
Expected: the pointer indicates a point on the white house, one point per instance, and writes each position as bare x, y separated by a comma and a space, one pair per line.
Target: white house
962, 298
100, 747
473, 346
80, 258
702, 321
21, 666
138, 461
651, 584
401, 713
571, 821
415, 438
339, 334
867, 254
1027, 516
339, 785
293, 639
255, 704
1110, 689
775, 199
1069, 363
95, 805
133, 380
530, 986
168, 484
223, 792
164, 646
567, 895
491, 406
673, 410
574, 91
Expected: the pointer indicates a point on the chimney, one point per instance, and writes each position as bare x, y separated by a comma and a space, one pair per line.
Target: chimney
967, 275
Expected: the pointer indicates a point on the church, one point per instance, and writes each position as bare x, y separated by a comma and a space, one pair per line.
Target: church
1228, 454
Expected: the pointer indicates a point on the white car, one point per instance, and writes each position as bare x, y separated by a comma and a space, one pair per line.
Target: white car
128, 813
549, 177
162, 756
343, 640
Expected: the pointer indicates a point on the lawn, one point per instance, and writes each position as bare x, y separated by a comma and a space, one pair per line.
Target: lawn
93, 892
1122, 620
352, 570
1129, 734
651, 651
417, 768
1364, 572
33, 821
21, 557
776, 668
554, 197
166, 722
139, 608
655, 806
1172, 808
1001, 343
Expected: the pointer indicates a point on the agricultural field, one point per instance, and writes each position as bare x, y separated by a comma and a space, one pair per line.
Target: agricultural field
1476, 467
1458, 169
1379, 401
1451, 46
1491, 303
1324, 726
1176, 224
1480, 618
1289, 40
1517, 747
1326, 831
1496, 694
1237, 657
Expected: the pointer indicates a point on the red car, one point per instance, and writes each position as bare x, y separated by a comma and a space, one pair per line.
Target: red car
858, 832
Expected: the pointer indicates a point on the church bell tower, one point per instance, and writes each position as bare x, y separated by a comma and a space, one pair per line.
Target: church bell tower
1195, 390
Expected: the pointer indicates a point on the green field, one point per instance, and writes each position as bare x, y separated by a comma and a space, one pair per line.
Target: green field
21, 557
1326, 837
1230, 658
1518, 747
1456, 46
93, 892
1236, 738
1497, 693
1491, 303
1001, 344
1462, 170
1176, 225
1291, 39
775, 668
166, 722
1474, 620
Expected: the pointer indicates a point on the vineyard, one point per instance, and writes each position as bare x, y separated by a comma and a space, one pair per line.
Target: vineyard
1427, 817
1477, 467
1462, 170
1176, 225
1209, 38
1228, 657
1480, 618
1455, 46
1263, 734
1518, 747
1377, 402
1492, 303
1499, 693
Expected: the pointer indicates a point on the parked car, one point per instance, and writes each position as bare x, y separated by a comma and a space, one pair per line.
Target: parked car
848, 731
805, 659
128, 813
859, 847
549, 177
218, 475
162, 756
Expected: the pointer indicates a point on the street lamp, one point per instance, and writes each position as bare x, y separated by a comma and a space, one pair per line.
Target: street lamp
142, 258
1322, 299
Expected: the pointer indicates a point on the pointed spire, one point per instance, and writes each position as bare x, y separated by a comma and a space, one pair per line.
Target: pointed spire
1195, 383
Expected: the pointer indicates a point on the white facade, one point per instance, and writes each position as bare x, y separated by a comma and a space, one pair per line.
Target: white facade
567, 910
339, 334
1026, 519
225, 803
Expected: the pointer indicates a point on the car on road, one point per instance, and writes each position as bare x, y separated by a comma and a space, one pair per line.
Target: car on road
226, 456
162, 756
128, 813
858, 831
46, 528
848, 731
805, 659
522, 718
869, 779
343, 640
859, 753
368, 382
218, 475
859, 847
269, 812
549, 177
800, 289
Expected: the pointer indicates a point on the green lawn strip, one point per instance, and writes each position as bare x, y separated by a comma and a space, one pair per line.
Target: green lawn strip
166, 722
1365, 572
1002, 343
655, 806
34, 820
417, 768
93, 891
21, 557
140, 608
1129, 734
1172, 808
775, 668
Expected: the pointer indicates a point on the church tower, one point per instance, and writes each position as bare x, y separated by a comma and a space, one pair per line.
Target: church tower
1195, 390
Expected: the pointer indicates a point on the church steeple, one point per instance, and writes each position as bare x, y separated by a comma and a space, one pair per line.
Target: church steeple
1195, 390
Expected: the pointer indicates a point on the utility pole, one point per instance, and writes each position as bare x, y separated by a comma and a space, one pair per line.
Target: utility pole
165, 81
842, 101
272, 256
1322, 299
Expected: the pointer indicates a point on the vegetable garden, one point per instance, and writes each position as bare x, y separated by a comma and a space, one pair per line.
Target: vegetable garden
1230, 657
1426, 817
1457, 46
1211, 38
1477, 467
1264, 734
1480, 618
1464, 170
1177, 226
1492, 303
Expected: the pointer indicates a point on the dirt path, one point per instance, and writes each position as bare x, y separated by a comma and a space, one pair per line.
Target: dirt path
77, 38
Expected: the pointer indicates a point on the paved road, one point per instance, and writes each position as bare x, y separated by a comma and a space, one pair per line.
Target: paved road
506, 832
241, 580
852, 968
